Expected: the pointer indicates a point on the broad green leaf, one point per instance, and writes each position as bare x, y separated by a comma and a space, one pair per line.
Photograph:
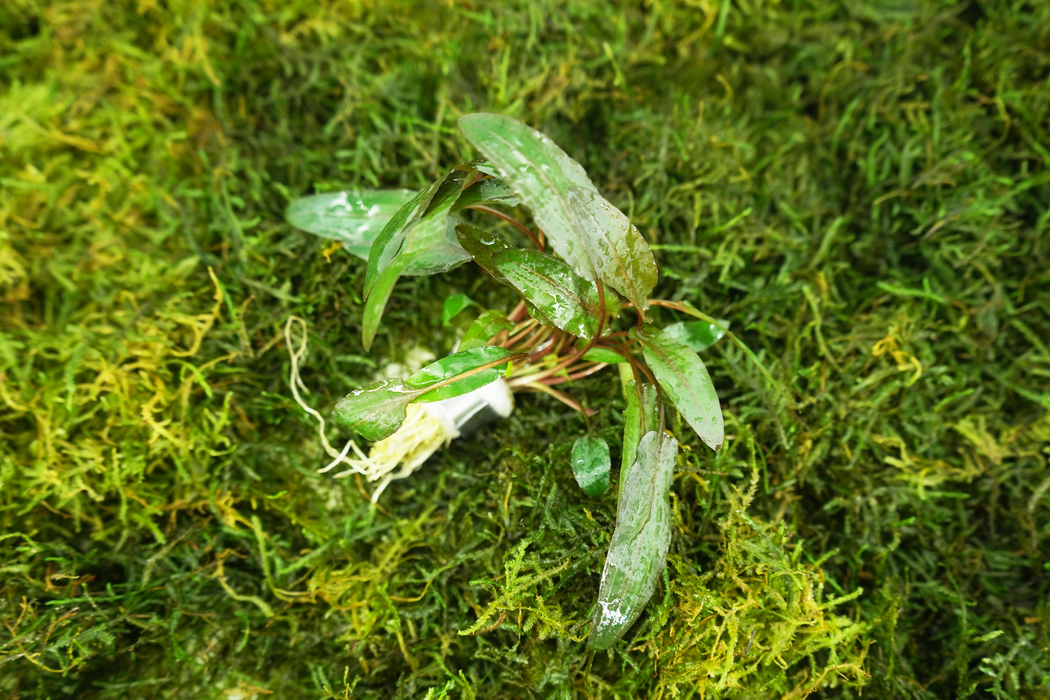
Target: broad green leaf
640, 417
375, 411
684, 378
697, 335
590, 465
638, 550
553, 294
456, 365
454, 305
484, 328
586, 230
355, 217
604, 355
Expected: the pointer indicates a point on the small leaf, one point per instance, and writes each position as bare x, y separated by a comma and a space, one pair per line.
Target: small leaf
684, 378
355, 217
605, 355
484, 328
463, 362
454, 305
590, 465
588, 232
375, 411
553, 294
640, 417
638, 550
697, 335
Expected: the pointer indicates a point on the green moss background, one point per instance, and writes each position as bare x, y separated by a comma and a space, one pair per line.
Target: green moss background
861, 188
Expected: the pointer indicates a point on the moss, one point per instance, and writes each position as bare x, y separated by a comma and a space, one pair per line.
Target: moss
860, 190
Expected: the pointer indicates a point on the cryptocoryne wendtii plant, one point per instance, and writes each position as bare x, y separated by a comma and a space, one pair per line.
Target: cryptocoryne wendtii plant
583, 307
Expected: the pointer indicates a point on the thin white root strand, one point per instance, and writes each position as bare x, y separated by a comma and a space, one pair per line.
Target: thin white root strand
420, 436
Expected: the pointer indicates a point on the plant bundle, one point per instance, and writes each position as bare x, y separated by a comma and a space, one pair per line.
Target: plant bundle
585, 275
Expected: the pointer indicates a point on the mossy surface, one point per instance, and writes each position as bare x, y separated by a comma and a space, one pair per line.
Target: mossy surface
862, 189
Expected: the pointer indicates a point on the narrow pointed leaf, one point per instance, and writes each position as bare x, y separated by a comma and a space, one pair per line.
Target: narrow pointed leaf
638, 550
376, 302
418, 234
697, 335
552, 292
640, 417
375, 411
684, 378
583, 228
355, 217
590, 465
484, 328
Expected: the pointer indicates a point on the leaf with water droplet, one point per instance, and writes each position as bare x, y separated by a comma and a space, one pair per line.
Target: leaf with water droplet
641, 416
553, 294
697, 335
590, 465
684, 378
638, 550
587, 231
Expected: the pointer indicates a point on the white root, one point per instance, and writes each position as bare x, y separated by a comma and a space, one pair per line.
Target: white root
420, 436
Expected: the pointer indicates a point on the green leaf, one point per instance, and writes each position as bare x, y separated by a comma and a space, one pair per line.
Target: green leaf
638, 550
684, 378
590, 465
489, 190
588, 232
605, 355
454, 305
553, 294
620, 255
484, 328
421, 235
463, 362
355, 217
640, 417
376, 302
697, 335
375, 411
